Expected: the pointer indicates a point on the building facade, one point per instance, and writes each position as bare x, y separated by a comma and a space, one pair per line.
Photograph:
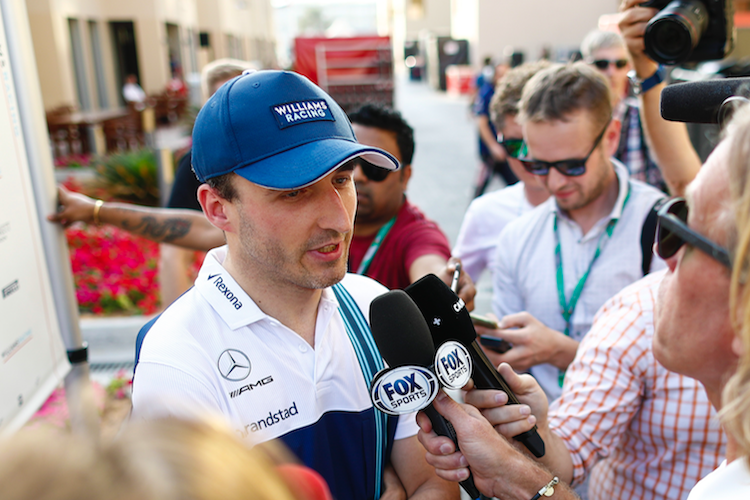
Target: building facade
85, 49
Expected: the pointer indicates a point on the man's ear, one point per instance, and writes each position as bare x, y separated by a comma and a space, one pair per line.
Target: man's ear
405, 172
612, 137
215, 208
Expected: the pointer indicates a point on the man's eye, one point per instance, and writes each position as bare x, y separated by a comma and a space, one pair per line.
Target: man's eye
343, 180
292, 194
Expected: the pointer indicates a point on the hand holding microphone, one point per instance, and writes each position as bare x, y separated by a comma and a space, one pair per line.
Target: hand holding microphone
409, 383
448, 320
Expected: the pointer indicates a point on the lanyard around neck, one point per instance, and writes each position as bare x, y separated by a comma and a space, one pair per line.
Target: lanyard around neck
568, 307
374, 246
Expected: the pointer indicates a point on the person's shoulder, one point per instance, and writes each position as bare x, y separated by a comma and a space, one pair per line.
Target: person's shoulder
493, 201
362, 287
645, 191
627, 317
412, 217
176, 327
528, 224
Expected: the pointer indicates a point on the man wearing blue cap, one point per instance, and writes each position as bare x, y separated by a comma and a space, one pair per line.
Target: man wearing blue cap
273, 336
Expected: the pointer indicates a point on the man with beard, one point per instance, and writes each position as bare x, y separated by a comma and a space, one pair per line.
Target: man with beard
393, 243
273, 335
558, 264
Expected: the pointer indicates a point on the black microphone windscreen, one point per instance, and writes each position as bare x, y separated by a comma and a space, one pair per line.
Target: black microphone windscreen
699, 102
443, 310
400, 330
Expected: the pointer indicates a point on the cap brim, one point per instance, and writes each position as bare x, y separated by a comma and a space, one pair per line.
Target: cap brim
306, 164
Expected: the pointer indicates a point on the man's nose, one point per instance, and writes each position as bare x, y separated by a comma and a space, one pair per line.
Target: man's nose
555, 180
334, 212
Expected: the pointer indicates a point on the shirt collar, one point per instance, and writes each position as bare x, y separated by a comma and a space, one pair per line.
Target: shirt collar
225, 295
230, 301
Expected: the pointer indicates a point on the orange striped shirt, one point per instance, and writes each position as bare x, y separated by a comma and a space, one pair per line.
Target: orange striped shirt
638, 430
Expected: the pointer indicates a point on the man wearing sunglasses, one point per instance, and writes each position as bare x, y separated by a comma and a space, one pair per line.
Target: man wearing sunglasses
606, 51
488, 214
394, 243
558, 264
684, 313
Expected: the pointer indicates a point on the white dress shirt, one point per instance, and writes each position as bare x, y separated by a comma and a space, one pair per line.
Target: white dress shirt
524, 269
483, 222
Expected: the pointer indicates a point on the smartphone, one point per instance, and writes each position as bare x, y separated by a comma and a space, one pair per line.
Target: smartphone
483, 321
495, 343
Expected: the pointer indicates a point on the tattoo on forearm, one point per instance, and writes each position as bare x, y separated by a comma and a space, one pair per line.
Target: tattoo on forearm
165, 231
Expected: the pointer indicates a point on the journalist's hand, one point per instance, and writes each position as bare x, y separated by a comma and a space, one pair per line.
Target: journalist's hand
533, 343
632, 25
512, 420
499, 470
466, 289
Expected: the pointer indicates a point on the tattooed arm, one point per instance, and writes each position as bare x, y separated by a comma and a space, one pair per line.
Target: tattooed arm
185, 228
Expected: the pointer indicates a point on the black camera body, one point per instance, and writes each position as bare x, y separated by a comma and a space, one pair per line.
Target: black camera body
689, 30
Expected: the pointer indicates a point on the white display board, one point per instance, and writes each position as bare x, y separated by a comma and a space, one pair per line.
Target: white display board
33, 359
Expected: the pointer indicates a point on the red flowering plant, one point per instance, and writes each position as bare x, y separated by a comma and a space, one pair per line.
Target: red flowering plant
114, 271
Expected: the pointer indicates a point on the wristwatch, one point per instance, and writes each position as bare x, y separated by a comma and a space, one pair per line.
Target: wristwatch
643, 86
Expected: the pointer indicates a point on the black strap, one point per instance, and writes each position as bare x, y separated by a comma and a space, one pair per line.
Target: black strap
648, 236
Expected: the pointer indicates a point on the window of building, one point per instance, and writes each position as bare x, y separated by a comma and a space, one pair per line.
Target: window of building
96, 51
79, 64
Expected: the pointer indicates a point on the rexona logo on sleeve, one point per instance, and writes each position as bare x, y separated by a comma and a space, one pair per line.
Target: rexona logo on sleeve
397, 391
293, 113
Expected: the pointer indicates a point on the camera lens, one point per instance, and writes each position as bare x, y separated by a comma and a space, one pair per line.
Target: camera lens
673, 33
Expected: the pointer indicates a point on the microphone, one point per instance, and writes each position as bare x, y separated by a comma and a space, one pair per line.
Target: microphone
448, 320
404, 341
701, 101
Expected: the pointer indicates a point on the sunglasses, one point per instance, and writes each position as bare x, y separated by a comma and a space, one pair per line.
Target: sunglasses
514, 147
571, 168
603, 64
371, 171
672, 232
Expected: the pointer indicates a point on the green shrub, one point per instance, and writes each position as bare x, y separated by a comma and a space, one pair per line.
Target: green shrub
130, 176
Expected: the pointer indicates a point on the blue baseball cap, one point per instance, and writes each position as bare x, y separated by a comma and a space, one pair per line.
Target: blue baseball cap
276, 129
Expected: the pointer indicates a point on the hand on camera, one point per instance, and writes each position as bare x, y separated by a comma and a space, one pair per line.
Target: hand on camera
632, 25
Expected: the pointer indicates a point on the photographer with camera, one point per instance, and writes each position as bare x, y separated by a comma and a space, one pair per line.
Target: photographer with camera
668, 142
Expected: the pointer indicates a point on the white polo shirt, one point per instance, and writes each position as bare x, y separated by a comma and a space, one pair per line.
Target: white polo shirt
215, 351
483, 222
524, 268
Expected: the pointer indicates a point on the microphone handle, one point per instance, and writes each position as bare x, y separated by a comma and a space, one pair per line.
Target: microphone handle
443, 427
486, 376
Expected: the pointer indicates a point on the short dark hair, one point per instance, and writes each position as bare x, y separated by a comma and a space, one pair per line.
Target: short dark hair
509, 89
563, 89
387, 118
224, 186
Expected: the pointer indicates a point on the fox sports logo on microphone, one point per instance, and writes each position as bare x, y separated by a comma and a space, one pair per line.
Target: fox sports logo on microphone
406, 389
453, 365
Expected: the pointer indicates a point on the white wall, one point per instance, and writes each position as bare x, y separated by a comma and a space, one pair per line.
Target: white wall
527, 25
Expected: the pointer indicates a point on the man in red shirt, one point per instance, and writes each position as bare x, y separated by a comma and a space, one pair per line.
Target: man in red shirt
393, 242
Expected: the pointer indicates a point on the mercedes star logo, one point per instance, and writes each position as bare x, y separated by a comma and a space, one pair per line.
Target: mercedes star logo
234, 365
